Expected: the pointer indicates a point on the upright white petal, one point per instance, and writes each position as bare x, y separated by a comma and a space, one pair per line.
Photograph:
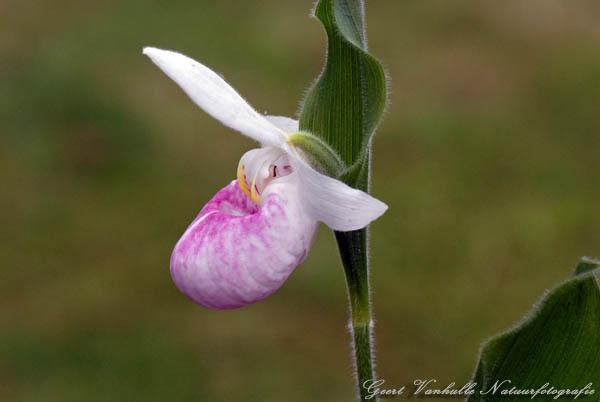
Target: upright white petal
209, 91
332, 202
285, 123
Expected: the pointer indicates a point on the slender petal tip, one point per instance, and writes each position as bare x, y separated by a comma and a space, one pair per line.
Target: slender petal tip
215, 96
148, 50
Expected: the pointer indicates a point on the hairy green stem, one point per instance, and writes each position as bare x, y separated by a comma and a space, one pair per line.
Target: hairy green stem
354, 253
343, 109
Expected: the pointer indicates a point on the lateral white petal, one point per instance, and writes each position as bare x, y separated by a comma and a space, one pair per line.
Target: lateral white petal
285, 123
334, 203
217, 98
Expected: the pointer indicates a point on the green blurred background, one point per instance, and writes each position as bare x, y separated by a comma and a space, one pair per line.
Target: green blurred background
488, 159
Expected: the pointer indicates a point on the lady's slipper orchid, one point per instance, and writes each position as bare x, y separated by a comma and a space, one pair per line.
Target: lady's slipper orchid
249, 238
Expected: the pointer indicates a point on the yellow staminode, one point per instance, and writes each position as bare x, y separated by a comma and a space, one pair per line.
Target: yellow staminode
241, 178
254, 194
251, 192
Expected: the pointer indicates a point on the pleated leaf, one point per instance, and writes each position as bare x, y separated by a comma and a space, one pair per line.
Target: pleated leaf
557, 343
346, 102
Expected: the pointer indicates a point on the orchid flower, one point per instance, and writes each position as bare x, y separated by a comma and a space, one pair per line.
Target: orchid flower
254, 232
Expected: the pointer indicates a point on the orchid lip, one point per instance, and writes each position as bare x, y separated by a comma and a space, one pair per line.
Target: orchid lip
236, 253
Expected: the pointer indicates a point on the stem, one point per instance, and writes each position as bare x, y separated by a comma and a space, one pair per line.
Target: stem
353, 251
343, 108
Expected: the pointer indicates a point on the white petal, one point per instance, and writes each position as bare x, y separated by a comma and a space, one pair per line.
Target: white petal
209, 91
332, 202
285, 123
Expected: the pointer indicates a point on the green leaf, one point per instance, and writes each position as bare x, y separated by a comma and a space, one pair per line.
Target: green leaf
347, 101
557, 343
586, 264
